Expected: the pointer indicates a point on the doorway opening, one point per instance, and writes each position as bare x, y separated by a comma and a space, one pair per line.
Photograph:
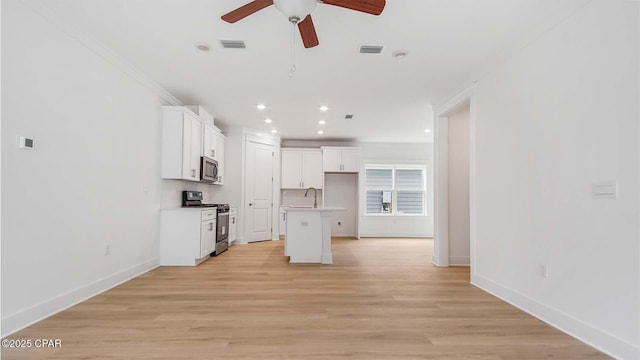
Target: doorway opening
454, 213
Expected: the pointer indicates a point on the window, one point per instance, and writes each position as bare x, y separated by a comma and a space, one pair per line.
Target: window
395, 190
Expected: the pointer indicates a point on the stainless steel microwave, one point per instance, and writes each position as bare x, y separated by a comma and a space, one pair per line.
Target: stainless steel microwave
208, 169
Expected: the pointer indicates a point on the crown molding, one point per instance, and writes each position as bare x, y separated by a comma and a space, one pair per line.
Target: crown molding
94, 45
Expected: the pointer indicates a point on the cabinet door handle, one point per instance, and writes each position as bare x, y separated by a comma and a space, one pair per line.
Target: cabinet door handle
233, 220
210, 226
303, 184
250, 204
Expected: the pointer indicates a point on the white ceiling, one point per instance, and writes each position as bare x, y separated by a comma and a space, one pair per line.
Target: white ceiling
391, 99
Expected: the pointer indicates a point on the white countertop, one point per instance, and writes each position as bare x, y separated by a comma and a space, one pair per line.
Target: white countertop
192, 208
323, 208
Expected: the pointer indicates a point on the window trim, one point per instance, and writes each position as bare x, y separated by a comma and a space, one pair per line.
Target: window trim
394, 213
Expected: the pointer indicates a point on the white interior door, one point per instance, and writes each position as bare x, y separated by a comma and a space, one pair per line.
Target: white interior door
259, 191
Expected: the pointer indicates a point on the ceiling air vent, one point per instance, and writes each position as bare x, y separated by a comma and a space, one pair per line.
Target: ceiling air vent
348, 116
370, 49
232, 44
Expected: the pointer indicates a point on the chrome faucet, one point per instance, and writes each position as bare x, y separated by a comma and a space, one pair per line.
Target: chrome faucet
315, 197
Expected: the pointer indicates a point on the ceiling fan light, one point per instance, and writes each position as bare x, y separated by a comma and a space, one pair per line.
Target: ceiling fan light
296, 9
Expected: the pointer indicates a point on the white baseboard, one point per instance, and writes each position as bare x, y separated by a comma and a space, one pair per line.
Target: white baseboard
459, 261
31, 315
597, 338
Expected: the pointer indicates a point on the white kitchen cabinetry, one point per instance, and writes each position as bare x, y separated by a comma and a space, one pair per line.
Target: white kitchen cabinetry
213, 147
209, 141
213, 142
187, 236
301, 169
181, 144
219, 143
283, 222
233, 225
336, 159
308, 234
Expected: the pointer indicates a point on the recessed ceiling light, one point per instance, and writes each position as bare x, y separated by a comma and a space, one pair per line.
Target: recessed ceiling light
274, 131
320, 132
322, 122
400, 54
323, 108
203, 47
261, 106
268, 121
427, 130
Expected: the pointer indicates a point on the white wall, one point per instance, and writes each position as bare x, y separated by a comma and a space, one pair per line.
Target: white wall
458, 177
92, 180
398, 226
557, 116
341, 190
295, 197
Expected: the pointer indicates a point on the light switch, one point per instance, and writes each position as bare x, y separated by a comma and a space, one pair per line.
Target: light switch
304, 223
604, 190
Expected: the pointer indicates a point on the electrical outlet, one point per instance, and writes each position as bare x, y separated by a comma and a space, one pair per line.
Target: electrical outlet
544, 270
304, 223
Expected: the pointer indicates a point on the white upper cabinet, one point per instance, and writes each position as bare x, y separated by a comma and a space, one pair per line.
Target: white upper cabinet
332, 160
301, 169
341, 159
219, 156
312, 175
209, 141
351, 160
181, 144
291, 169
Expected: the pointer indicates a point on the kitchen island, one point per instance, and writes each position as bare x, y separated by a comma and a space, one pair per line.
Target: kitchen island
308, 234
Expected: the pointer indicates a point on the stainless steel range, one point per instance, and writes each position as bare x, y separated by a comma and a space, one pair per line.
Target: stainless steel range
194, 199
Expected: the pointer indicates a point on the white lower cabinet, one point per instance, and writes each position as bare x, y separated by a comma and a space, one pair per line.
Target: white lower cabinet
187, 236
233, 225
207, 238
283, 222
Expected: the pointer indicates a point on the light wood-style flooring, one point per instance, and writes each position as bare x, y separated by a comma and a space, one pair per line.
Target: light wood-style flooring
381, 299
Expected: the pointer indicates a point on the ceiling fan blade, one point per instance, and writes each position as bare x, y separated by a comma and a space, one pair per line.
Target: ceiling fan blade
373, 7
246, 10
308, 32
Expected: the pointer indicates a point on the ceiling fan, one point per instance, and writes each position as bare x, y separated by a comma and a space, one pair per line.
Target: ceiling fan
298, 12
